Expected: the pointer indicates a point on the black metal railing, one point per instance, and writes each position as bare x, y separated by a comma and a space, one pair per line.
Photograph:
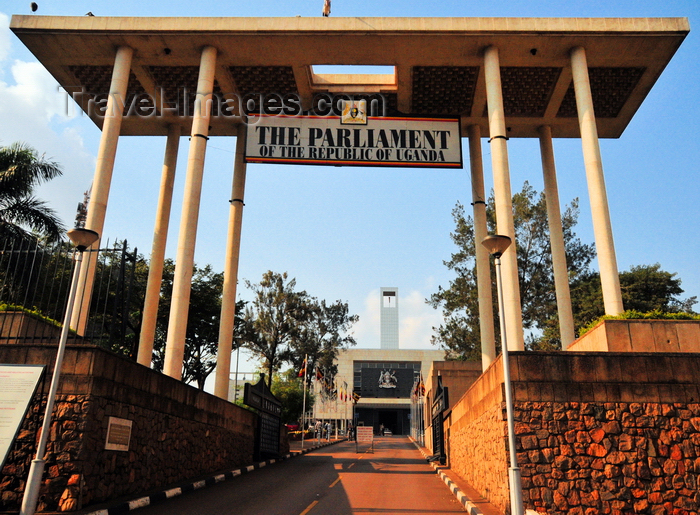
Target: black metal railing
34, 284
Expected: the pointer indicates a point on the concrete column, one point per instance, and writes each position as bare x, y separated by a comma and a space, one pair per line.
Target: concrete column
177, 324
556, 238
102, 180
233, 247
605, 246
483, 268
503, 198
160, 237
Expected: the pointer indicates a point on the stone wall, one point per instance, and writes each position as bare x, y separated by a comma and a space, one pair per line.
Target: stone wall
596, 432
457, 377
178, 432
589, 458
641, 336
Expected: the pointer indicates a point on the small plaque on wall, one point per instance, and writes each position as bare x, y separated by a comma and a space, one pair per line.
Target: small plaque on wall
118, 434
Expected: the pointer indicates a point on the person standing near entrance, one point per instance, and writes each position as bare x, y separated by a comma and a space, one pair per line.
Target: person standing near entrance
318, 429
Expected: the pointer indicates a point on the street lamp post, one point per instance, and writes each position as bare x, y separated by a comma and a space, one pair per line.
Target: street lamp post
497, 245
82, 239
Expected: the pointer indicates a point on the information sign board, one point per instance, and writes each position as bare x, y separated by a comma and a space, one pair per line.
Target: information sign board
325, 140
19, 384
118, 434
365, 434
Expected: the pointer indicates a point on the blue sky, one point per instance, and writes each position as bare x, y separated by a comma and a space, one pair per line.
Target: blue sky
345, 232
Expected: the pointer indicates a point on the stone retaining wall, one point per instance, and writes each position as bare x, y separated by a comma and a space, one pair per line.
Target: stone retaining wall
641, 336
610, 433
589, 458
178, 431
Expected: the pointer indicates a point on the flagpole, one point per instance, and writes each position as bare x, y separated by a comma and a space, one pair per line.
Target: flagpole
303, 403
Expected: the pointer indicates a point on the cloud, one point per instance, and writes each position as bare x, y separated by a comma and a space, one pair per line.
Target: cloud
34, 112
416, 321
366, 331
36, 90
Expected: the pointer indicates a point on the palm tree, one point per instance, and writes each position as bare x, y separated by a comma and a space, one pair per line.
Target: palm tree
22, 215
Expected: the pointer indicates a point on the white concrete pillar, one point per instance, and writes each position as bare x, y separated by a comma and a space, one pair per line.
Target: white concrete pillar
233, 247
605, 246
160, 237
556, 238
503, 198
184, 264
483, 268
102, 180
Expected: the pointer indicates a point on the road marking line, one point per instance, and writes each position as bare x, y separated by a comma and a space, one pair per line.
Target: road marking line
309, 508
334, 482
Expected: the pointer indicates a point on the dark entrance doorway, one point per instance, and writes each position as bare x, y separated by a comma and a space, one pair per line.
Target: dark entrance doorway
389, 419
393, 418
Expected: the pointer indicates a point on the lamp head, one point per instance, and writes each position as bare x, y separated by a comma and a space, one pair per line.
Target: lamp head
82, 238
496, 244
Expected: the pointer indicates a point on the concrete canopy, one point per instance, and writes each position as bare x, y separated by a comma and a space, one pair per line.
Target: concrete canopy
438, 63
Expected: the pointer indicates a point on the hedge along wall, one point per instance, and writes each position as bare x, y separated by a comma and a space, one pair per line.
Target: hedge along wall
178, 432
595, 433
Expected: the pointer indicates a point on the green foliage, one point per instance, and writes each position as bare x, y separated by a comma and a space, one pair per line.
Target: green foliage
460, 333
23, 216
632, 314
282, 325
321, 335
202, 335
645, 289
33, 313
289, 390
272, 319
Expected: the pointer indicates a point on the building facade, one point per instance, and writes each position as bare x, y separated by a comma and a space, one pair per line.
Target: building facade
384, 380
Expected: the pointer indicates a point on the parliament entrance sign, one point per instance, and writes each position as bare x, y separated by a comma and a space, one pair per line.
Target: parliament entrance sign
330, 140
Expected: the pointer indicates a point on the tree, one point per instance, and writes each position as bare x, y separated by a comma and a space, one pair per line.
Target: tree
272, 319
21, 171
644, 288
282, 325
459, 335
289, 390
321, 334
202, 335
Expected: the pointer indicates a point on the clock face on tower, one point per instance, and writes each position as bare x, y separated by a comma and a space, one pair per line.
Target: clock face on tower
389, 299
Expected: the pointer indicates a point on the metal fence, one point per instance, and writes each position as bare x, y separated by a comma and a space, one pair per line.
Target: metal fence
34, 284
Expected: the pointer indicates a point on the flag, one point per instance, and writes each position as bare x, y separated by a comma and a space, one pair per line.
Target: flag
421, 387
302, 371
